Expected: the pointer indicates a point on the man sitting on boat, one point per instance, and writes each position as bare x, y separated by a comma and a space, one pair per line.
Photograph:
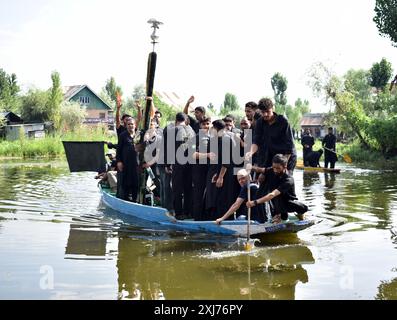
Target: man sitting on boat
258, 212
282, 197
313, 158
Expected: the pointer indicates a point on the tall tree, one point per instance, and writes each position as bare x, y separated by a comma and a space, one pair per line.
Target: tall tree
386, 19
55, 100
279, 86
112, 88
380, 74
8, 91
229, 104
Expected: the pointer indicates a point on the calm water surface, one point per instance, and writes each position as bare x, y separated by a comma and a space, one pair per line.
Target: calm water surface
58, 241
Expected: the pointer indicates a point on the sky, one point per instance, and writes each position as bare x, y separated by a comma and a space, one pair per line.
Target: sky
206, 48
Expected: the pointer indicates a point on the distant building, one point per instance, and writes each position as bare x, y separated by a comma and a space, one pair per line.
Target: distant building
315, 122
98, 111
171, 98
30, 130
10, 118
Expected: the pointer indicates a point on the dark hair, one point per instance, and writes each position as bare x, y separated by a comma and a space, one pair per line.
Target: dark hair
218, 125
330, 128
228, 119
230, 116
159, 113
265, 104
252, 105
205, 119
280, 159
257, 115
200, 109
180, 117
125, 116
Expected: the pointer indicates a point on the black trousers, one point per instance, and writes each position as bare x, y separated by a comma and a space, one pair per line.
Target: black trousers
182, 189
199, 179
279, 205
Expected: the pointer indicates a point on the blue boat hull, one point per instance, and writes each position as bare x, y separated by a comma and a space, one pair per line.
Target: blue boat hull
228, 228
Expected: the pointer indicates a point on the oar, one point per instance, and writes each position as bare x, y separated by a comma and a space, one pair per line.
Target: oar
249, 244
345, 157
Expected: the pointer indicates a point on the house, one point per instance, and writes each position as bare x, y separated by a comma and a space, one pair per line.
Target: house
10, 118
31, 130
315, 122
98, 111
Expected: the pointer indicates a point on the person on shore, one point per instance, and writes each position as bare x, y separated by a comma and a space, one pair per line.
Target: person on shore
127, 162
329, 145
199, 113
273, 134
258, 212
307, 142
280, 188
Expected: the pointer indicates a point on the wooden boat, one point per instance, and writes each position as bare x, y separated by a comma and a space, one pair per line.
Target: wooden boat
236, 228
317, 169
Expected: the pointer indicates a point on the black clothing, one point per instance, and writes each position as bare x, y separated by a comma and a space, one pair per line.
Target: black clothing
329, 142
258, 211
195, 124
287, 200
127, 155
199, 176
275, 139
313, 159
120, 130
307, 142
219, 200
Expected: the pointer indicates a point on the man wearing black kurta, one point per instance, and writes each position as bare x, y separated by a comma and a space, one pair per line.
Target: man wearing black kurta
127, 162
329, 144
199, 113
273, 133
307, 142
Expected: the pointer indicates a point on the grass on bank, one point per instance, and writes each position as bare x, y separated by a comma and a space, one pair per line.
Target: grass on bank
51, 146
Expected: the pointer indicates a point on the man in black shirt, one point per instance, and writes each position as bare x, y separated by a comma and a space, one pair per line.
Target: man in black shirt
281, 188
273, 134
199, 113
307, 142
329, 144
258, 212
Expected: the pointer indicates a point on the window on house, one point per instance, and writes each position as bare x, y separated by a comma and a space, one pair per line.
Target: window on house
84, 100
102, 115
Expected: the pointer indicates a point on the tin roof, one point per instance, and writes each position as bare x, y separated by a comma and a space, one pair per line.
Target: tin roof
313, 119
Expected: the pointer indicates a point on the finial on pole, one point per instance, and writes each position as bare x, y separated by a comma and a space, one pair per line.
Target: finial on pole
155, 25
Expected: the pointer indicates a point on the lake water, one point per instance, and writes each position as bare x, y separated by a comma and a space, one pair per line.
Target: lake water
58, 241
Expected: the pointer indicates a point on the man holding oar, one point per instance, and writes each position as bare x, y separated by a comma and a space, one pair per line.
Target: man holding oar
258, 213
329, 144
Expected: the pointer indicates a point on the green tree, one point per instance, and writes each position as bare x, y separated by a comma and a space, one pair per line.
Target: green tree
230, 104
166, 110
380, 74
112, 88
279, 86
386, 19
8, 91
34, 106
55, 100
139, 93
72, 115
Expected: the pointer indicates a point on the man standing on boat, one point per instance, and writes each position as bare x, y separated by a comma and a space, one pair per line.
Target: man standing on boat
199, 113
273, 133
258, 212
281, 191
178, 138
127, 162
307, 142
200, 165
329, 144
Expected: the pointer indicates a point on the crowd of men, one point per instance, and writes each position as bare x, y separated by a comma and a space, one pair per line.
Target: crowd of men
209, 170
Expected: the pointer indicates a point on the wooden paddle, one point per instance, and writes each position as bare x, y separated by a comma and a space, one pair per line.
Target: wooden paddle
345, 157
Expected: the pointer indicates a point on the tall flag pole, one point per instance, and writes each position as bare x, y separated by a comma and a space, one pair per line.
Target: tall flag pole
151, 70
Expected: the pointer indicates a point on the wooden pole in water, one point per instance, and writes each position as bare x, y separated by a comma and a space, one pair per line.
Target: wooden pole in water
151, 70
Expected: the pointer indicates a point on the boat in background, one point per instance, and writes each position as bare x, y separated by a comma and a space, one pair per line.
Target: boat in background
236, 228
